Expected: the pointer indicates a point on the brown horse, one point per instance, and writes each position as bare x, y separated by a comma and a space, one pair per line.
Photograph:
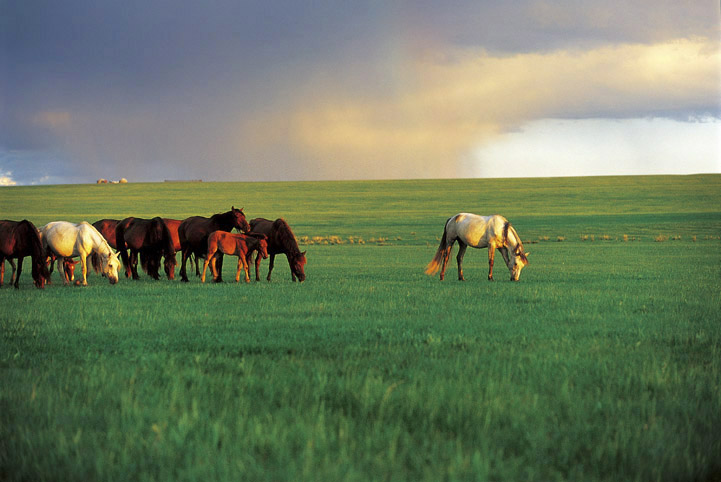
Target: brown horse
68, 267
240, 245
17, 240
194, 232
149, 238
106, 227
280, 241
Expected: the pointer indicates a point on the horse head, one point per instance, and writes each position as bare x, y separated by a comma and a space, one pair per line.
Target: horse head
263, 246
518, 261
169, 265
40, 272
239, 222
297, 264
110, 268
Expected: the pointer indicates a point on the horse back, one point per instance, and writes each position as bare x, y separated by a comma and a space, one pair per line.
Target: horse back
106, 227
194, 231
7, 237
19, 238
477, 231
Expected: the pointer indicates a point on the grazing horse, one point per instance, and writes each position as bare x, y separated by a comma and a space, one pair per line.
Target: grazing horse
68, 267
492, 232
106, 227
149, 238
280, 241
67, 240
194, 231
17, 240
240, 245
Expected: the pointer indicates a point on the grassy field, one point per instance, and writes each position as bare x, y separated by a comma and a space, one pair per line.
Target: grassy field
603, 363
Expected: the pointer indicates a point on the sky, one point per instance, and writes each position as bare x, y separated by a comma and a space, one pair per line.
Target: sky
240, 90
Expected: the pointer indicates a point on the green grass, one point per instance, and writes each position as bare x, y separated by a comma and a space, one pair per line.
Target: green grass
603, 363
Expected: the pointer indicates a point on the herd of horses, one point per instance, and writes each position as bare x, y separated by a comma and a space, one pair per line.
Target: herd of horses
151, 242
154, 243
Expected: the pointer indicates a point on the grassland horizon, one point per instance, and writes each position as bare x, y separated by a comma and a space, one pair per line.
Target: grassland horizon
603, 363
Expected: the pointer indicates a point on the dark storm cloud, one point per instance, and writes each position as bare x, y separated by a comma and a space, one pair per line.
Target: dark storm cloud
286, 90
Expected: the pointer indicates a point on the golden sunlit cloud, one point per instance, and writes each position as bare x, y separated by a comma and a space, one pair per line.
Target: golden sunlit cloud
448, 104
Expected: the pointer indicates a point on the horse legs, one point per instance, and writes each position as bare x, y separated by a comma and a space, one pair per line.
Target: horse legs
186, 255
246, 267
243, 265
12, 276
270, 264
219, 266
205, 268
257, 265
2, 271
17, 275
459, 258
83, 267
134, 264
491, 256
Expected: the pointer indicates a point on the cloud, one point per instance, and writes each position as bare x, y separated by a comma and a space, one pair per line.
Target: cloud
283, 90
449, 102
6, 179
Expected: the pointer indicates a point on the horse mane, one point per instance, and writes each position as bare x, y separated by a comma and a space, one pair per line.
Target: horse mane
519, 244
284, 236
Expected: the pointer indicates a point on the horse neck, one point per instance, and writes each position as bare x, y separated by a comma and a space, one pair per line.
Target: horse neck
287, 241
35, 244
100, 245
225, 221
514, 241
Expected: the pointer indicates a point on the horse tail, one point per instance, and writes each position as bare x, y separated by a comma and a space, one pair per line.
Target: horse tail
437, 260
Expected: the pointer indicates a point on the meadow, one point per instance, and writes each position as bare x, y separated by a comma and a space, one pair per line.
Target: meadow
602, 363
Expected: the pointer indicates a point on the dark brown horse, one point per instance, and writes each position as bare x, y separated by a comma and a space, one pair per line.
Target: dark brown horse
280, 241
149, 238
17, 240
106, 227
194, 232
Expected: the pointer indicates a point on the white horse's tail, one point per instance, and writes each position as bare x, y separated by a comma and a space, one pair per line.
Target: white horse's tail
437, 260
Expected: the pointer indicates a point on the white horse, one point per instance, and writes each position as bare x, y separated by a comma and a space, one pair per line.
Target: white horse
492, 232
66, 240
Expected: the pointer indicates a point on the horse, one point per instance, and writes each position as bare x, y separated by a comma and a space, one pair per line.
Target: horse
67, 240
280, 241
492, 232
17, 240
149, 238
106, 227
68, 267
240, 245
193, 233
